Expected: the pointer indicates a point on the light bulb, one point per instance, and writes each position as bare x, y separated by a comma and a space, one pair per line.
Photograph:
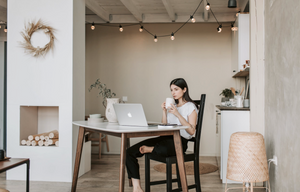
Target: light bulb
219, 29
234, 28
207, 7
0, 26
155, 38
5, 30
141, 29
237, 14
172, 36
121, 28
93, 26
193, 19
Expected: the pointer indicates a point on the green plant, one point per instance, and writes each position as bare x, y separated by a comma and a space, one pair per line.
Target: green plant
104, 92
226, 93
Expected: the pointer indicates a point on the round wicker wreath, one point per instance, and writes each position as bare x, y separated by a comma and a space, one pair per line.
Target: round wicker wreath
27, 33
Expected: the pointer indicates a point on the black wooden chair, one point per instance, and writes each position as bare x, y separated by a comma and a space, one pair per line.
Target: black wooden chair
194, 156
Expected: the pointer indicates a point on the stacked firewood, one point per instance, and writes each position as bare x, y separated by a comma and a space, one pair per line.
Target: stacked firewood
43, 139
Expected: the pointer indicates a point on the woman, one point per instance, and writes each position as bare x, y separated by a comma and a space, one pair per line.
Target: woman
184, 112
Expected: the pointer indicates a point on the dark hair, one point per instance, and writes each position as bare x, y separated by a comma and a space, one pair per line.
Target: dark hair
180, 82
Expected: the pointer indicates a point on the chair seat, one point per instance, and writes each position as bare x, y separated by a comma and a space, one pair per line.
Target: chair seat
172, 159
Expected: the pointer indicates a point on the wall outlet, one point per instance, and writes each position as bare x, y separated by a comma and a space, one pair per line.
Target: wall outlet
124, 98
275, 159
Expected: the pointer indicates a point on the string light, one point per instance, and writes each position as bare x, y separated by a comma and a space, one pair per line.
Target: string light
93, 26
0, 26
155, 38
141, 29
121, 28
233, 28
5, 30
172, 36
207, 7
193, 19
237, 14
219, 29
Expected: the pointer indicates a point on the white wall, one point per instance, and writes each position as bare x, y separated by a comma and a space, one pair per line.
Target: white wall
257, 66
45, 81
132, 65
2, 86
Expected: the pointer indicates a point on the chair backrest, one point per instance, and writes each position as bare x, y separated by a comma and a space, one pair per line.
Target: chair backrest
201, 104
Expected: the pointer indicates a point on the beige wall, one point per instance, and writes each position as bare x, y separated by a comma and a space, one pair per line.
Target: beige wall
132, 65
282, 90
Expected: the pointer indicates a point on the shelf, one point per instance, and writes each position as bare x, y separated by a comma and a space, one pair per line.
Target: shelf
243, 73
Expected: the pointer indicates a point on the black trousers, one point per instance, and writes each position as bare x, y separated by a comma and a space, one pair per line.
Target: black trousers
163, 146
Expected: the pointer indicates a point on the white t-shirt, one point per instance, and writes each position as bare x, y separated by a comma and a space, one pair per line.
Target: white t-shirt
185, 110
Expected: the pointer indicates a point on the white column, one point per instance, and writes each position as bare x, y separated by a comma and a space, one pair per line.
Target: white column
57, 79
257, 67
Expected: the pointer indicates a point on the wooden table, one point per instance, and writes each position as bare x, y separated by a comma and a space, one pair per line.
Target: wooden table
126, 132
15, 162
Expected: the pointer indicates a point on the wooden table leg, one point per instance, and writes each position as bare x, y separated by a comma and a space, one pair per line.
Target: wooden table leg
180, 160
78, 157
27, 175
122, 161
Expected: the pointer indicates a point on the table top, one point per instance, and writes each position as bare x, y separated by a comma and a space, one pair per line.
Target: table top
10, 163
116, 128
232, 108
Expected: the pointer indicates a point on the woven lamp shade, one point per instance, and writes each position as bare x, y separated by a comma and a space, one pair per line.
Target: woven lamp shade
247, 159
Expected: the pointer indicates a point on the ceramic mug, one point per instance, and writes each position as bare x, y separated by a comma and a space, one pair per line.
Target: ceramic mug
246, 103
169, 101
239, 101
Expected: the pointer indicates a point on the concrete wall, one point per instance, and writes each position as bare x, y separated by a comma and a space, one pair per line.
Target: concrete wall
132, 65
282, 89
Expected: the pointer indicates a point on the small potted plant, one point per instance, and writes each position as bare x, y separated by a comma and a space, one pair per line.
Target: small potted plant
108, 101
226, 93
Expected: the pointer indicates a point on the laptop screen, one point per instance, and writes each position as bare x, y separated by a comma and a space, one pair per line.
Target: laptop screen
130, 114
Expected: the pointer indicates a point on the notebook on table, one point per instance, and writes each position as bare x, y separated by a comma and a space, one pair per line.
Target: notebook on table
131, 114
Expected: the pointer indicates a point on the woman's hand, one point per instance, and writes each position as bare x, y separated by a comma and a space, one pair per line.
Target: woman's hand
163, 106
173, 110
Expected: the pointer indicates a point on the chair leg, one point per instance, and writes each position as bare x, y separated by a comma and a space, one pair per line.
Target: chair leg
178, 176
128, 145
169, 175
197, 175
147, 173
100, 135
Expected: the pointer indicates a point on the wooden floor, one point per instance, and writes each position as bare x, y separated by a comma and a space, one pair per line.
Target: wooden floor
104, 177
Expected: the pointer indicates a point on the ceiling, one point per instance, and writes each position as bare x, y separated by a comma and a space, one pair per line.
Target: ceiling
153, 11
159, 11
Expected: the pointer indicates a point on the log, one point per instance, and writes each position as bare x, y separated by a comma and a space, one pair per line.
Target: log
33, 143
23, 142
57, 143
52, 141
42, 137
37, 138
46, 143
28, 143
53, 134
46, 138
31, 137
41, 143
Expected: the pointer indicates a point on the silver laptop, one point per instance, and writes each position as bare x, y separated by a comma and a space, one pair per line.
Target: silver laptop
131, 114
